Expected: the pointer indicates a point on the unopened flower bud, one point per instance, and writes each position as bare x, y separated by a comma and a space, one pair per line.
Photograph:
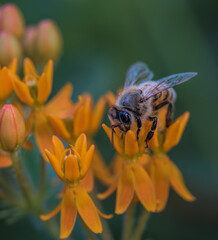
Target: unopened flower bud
29, 41
11, 20
48, 41
9, 48
12, 128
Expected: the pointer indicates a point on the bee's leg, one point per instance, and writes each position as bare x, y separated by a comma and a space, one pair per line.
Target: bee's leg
169, 115
139, 125
112, 133
151, 132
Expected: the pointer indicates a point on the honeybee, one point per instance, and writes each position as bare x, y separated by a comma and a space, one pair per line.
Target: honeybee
142, 98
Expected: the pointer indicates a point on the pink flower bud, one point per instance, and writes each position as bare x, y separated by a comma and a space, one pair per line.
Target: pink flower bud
48, 41
29, 41
11, 20
12, 128
9, 48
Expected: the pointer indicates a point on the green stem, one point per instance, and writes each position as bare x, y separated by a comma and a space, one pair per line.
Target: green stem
42, 178
142, 223
7, 185
128, 222
20, 177
8, 199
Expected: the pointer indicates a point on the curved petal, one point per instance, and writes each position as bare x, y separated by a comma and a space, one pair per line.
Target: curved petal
131, 144
22, 91
55, 163
159, 176
88, 181
5, 83
29, 68
105, 216
125, 191
86, 160
144, 187
61, 105
177, 182
5, 160
43, 89
81, 145
58, 126
58, 147
13, 66
117, 142
97, 115
87, 210
175, 131
68, 213
48, 70
109, 191
54, 212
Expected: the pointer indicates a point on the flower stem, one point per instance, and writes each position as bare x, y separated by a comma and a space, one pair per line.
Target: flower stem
8, 199
88, 231
20, 177
128, 222
42, 178
7, 185
142, 223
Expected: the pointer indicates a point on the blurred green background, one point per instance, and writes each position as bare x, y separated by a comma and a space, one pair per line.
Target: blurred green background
101, 40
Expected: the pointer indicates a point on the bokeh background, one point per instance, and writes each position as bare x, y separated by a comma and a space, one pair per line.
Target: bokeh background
101, 40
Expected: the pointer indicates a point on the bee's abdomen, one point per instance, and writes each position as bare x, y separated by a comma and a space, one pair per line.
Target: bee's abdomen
166, 95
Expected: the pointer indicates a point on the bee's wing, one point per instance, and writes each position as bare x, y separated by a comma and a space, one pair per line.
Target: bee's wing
138, 73
168, 82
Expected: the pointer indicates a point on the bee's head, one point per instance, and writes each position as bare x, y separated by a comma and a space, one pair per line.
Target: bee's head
120, 118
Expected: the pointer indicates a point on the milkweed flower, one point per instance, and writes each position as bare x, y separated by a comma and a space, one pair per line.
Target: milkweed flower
34, 90
163, 172
131, 178
71, 166
86, 118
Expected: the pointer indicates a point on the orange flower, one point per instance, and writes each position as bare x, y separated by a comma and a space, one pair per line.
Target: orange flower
131, 176
162, 170
5, 80
34, 91
86, 118
71, 165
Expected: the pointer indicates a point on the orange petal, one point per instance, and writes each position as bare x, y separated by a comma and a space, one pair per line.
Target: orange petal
117, 142
43, 134
5, 83
29, 68
81, 145
144, 159
43, 88
72, 172
109, 191
55, 163
177, 182
22, 91
88, 181
28, 145
13, 66
97, 115
131, 144
54, 212
111, 98
58, 126
58, 147
105, 216
5, 160
61, 105
68, 213
144, 187
175, 131
87, 210
48, 70
160, 179
86, 160
125, 191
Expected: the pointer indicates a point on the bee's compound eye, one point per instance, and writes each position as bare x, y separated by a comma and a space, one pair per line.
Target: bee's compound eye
124, 117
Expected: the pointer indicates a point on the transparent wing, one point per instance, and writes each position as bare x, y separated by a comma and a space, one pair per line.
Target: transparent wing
168, 82
138, 73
